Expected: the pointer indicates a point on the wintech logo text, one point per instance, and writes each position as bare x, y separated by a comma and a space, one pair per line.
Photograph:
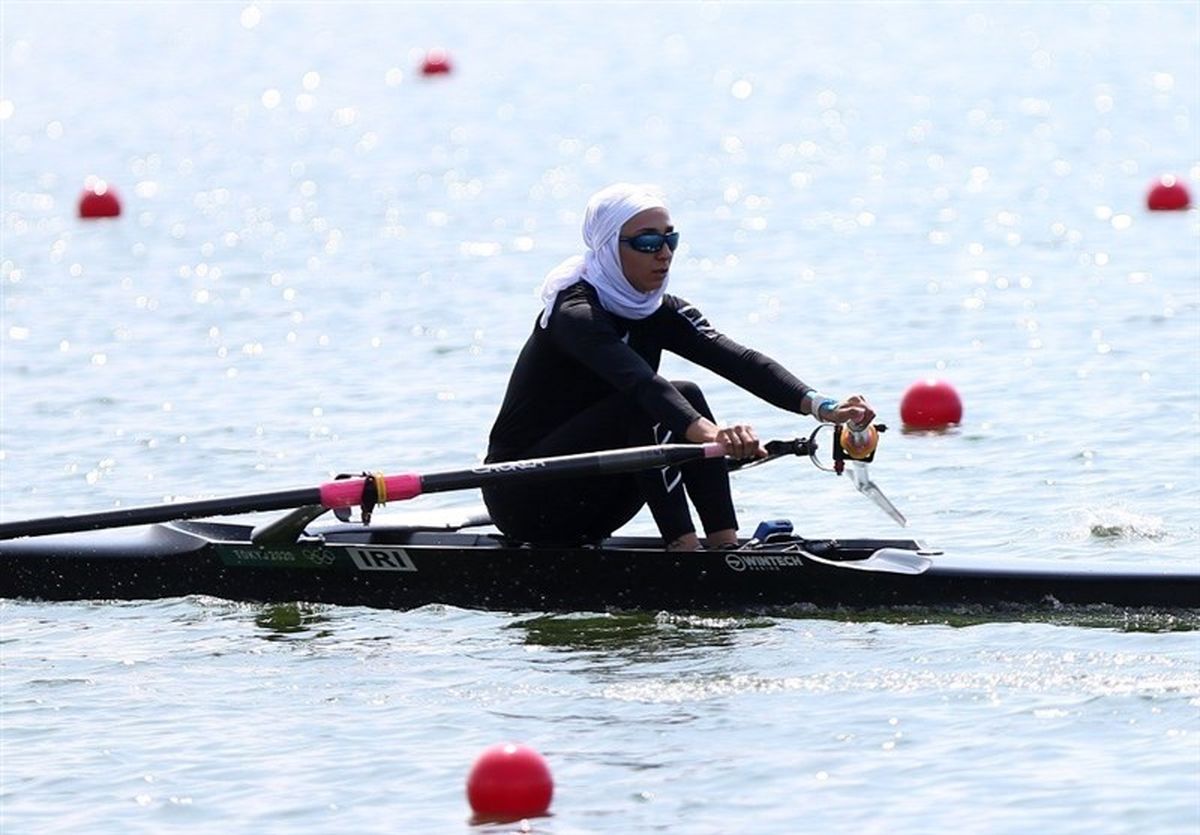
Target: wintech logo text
763, 562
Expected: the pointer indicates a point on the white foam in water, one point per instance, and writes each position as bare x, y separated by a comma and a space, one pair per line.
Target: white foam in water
1122, 523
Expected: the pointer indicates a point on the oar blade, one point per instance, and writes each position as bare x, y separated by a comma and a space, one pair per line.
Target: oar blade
862, 481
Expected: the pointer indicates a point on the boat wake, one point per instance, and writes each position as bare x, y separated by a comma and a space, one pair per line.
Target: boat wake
1115, 523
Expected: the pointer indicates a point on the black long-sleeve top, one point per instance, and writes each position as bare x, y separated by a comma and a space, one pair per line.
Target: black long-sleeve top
586, 354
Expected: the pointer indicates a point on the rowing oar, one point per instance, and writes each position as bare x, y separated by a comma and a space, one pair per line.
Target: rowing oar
350, 492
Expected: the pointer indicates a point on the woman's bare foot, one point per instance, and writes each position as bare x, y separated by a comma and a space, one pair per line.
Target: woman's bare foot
687, 542
717, 540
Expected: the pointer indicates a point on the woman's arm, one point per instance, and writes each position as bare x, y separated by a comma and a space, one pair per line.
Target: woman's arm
584, 332
692, 337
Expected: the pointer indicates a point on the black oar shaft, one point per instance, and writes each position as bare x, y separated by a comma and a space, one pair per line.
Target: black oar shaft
580, 465
349, 492
151, 514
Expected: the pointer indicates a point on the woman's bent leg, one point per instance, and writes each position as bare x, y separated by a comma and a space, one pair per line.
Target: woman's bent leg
576, 510
566, 512
706, 482
570, 511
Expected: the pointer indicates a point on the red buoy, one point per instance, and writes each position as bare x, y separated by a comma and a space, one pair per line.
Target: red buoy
437, 62
509, 782
98, 200
1167, 194
930, 404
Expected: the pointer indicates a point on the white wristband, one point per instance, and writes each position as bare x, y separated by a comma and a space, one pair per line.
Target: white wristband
817, 402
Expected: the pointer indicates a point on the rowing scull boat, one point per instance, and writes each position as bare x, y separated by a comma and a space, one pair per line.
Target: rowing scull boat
399, 567
174, 550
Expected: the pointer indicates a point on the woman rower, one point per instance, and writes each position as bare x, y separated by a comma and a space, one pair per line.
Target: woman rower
587, 379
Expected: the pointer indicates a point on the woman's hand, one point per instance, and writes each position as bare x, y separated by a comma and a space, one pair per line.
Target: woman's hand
854, 410
739, 440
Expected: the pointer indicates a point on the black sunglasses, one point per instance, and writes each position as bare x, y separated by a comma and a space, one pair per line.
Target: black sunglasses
652, 241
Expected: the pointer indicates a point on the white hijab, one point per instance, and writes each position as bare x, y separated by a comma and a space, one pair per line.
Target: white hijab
600, 265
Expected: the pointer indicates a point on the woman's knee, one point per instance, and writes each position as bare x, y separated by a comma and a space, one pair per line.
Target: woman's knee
693, 395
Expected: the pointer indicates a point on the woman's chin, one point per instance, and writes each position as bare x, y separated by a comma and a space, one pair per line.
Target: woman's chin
651, 283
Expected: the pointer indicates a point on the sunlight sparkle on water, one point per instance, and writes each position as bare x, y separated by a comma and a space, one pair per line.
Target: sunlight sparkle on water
251, 17
318, 228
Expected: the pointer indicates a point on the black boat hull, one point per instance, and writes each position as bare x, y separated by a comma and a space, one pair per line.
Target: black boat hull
401, 568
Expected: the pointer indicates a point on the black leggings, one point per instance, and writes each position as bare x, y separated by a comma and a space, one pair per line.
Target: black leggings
572, 511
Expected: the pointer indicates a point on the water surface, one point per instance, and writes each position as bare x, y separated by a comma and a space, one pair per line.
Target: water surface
327, 263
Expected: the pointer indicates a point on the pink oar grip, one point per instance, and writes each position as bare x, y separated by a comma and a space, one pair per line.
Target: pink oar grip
713, 450
401, 487
349, 491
